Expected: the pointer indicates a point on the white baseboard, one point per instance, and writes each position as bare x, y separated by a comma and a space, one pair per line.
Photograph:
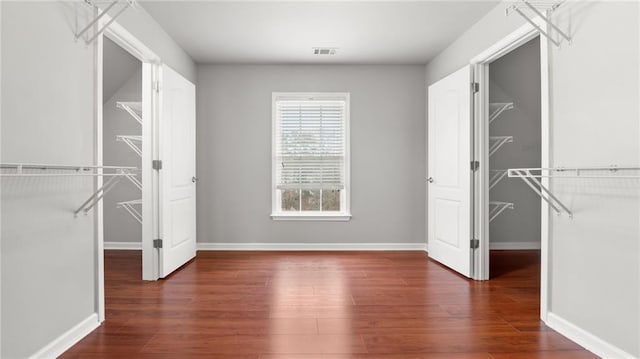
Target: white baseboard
311, 246
514, 245
68, 339
582, 337
129, 246
285, 246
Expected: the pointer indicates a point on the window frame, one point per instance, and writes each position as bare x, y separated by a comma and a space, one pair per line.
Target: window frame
345, 197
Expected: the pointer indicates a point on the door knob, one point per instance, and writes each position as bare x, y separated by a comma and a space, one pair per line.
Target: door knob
194, 179
430, 179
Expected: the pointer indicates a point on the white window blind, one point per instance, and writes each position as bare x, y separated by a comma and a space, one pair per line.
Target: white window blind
310, 144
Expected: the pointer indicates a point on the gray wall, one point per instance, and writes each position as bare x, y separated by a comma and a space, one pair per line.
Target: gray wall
594, 273
141, 25
387, 153
48, 256
118, 66
515, 78
119, 225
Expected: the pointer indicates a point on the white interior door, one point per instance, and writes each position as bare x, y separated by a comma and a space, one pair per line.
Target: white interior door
177, 151
449, 171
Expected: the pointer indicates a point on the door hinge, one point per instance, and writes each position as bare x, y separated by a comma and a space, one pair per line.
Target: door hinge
156, 86
156, 164
475, 87
475, 165
157, 243
475, 243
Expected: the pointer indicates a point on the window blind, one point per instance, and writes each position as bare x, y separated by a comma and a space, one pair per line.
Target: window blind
310, 144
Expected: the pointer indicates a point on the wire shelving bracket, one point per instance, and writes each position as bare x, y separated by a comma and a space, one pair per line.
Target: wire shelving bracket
131, 141
130, 206
497, 208
539, 8
497, 108
132, 108
108, 5
496, 177
495, 142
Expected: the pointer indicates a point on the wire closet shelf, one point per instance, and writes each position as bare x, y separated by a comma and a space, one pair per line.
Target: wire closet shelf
55, 170
533, 178
113, 174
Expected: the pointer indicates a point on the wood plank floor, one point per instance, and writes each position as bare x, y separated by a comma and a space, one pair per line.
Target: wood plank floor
319, 305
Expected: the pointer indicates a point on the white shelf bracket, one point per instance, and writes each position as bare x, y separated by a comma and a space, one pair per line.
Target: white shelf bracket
132, 108
136, 182
495, 142
97, 196
129, 206
496, 177
537, 9
497, 109
100, 14
497, 208
132, 142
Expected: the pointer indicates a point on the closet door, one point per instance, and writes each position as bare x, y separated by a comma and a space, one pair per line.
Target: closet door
449, 171
177, 187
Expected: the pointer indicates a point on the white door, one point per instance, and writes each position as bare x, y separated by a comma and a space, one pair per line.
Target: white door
449, 171
177, 187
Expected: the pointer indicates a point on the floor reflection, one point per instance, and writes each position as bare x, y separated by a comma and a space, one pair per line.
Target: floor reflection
302, 291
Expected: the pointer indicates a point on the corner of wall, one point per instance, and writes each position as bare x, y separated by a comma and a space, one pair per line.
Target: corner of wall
65, 341
586, 339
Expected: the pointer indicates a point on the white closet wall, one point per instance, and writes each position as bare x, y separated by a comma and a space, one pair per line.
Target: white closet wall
48, 275
594, 113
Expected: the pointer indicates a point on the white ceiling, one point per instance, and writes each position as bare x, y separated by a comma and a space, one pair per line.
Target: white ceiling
365, 32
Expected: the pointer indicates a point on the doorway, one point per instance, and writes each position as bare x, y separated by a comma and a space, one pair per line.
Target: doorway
157, 131
122, 139
514, 137
460, 205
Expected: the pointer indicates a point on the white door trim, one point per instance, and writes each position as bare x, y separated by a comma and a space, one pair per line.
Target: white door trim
150, 63
510, 42
150, 60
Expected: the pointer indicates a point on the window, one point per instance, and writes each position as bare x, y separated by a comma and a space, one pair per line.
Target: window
310, 156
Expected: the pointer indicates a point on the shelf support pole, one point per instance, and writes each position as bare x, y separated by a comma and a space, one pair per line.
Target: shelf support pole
97, 195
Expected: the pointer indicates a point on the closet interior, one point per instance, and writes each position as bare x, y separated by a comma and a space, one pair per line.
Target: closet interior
514, 142
122, 143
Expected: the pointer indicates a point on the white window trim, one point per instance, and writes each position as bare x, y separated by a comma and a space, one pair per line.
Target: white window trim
344, 215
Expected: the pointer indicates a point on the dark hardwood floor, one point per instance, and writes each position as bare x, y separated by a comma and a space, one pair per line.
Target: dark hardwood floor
374, 305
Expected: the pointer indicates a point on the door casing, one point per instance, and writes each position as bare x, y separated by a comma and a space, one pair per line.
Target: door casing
150, 64
481, 151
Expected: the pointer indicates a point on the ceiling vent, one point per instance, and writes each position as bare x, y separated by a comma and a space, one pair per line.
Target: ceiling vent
324, 50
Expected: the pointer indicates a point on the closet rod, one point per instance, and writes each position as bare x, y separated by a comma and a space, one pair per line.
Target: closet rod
40, 166
575, 172
78, 170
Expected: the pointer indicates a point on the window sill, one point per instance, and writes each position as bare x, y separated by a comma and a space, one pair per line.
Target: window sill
338, 217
